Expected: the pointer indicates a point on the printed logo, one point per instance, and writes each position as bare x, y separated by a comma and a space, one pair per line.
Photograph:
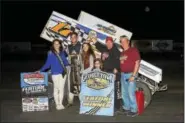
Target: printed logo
97, 80
62, 28
123, 58
33, 79
110, 30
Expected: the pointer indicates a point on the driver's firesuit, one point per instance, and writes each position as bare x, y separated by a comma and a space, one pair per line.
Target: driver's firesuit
74, 72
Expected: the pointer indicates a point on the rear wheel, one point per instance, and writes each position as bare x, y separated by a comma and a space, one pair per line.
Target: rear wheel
146, 91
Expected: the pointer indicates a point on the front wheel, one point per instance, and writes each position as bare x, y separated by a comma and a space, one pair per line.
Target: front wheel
146, 91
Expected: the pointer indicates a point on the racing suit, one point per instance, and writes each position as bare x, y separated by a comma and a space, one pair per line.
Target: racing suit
74, 72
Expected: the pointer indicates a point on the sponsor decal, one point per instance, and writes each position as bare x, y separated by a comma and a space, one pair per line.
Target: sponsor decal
97, 80
110, 30
148, 70
34, 78
32, 104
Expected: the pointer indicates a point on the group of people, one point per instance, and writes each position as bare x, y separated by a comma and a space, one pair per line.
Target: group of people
80, 58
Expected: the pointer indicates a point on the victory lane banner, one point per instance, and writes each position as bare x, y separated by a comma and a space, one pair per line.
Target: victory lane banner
97, 93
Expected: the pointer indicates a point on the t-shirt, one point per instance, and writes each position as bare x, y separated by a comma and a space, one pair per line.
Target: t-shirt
128, 59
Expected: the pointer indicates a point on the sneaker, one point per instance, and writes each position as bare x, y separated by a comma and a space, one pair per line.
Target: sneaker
132, 114
124, 112
57, 107
60, 107
116, 112
69, 105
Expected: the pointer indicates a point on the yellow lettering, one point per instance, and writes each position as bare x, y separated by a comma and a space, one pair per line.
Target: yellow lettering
85, 104
86, 98
96, 98
93, 104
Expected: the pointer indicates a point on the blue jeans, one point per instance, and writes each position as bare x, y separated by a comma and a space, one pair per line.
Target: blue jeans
128, 93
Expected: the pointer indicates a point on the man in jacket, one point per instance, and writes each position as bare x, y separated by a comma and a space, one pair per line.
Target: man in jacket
110, 58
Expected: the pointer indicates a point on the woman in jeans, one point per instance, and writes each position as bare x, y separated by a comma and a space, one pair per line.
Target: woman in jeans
58, 71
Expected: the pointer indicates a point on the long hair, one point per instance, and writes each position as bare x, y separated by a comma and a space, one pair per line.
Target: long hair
52, 46
86, 55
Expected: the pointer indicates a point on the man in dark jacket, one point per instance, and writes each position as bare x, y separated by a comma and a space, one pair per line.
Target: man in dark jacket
110, 58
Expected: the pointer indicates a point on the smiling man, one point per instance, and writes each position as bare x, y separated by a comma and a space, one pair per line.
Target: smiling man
129, 63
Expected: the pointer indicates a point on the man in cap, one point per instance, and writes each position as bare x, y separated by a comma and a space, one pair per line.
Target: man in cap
129, 64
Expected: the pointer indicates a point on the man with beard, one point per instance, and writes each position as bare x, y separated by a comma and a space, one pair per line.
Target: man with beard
73, 74
110, 58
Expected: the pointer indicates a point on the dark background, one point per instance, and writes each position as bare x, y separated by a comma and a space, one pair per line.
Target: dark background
24, 21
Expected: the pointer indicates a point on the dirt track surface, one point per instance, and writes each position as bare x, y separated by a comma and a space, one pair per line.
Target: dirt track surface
165, 106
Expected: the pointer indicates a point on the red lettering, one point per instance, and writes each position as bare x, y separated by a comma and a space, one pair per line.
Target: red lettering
33, 75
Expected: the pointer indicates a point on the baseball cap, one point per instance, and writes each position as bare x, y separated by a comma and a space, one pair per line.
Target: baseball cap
109, 39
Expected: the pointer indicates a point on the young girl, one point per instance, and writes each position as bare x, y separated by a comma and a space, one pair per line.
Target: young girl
96, 67
97, 64
57, 70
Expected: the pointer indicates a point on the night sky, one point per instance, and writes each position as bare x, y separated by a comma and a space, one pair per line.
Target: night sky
24, 21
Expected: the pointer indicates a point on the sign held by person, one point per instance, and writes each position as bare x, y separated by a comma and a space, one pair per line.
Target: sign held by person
97, 93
